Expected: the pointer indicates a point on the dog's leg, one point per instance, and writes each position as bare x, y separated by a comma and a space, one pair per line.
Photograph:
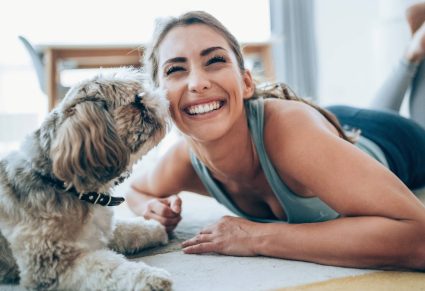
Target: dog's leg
9, 272
42, 261
48, 265
107, 270
133, 234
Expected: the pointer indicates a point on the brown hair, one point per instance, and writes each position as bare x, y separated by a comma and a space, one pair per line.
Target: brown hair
278, 90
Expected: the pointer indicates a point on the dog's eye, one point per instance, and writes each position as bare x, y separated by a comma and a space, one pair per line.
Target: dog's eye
137, 98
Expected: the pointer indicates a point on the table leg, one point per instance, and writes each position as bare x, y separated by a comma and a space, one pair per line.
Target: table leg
51, 78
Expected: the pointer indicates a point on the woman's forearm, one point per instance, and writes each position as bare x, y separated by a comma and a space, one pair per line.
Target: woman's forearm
361, 242
137, 201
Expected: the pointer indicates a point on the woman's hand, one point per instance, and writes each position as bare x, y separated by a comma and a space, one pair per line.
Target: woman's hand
229, 236
165, 210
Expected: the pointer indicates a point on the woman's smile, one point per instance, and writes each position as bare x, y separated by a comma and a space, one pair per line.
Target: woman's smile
204, 109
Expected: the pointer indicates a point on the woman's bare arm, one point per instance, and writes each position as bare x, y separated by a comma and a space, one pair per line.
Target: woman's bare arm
383, 223
152, 193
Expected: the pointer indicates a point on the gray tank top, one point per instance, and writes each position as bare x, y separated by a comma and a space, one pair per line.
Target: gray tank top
298, 209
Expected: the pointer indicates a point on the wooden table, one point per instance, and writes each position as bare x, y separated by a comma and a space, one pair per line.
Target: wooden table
85, 56
107, 56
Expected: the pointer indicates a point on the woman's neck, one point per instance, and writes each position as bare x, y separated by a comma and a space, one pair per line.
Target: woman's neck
233, 156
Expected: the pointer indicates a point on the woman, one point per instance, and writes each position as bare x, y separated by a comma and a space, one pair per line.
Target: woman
280, 160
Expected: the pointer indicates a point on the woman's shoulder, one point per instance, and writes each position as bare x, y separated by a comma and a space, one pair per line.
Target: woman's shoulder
289, 122
293, 132
280, 112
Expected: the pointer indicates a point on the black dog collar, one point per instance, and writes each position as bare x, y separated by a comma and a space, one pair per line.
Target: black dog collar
103, 199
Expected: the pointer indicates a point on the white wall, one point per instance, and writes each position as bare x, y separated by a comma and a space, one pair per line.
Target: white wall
359, 43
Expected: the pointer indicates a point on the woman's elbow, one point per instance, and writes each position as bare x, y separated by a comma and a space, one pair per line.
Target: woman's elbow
132, 199
416, 249
136, 199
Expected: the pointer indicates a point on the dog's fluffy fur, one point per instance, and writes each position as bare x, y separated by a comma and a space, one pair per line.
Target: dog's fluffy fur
49, 238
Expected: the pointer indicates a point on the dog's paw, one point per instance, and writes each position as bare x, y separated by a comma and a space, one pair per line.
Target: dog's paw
154, 280
135, 234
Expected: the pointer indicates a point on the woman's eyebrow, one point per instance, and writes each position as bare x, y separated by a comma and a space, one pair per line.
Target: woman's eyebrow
175, 60
210, 49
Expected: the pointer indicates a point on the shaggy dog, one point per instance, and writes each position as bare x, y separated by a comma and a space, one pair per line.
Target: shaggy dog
55, 219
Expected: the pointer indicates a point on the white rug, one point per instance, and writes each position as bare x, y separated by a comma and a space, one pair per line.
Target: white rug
226, 273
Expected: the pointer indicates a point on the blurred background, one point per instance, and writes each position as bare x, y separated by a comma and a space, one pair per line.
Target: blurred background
334, 51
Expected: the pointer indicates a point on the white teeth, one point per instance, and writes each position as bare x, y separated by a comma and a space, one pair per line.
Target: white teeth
204, 108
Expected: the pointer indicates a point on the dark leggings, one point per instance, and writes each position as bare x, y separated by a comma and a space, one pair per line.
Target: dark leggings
402, 140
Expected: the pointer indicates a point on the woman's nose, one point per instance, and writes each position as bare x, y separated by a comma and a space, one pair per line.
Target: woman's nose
198, 82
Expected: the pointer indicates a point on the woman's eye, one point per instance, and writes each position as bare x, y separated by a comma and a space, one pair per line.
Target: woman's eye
216, 59
173, 69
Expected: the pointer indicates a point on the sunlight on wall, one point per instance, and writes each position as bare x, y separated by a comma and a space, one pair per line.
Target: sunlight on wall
359, 44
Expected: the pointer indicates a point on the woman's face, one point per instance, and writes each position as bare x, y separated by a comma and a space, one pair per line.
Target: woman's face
204, 84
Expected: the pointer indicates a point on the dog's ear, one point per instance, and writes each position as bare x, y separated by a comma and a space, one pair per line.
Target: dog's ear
87, 151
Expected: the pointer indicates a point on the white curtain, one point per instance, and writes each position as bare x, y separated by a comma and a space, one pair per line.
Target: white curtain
294, 45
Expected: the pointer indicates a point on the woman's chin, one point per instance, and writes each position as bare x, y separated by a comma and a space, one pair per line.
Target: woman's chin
204, 132
205, 135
